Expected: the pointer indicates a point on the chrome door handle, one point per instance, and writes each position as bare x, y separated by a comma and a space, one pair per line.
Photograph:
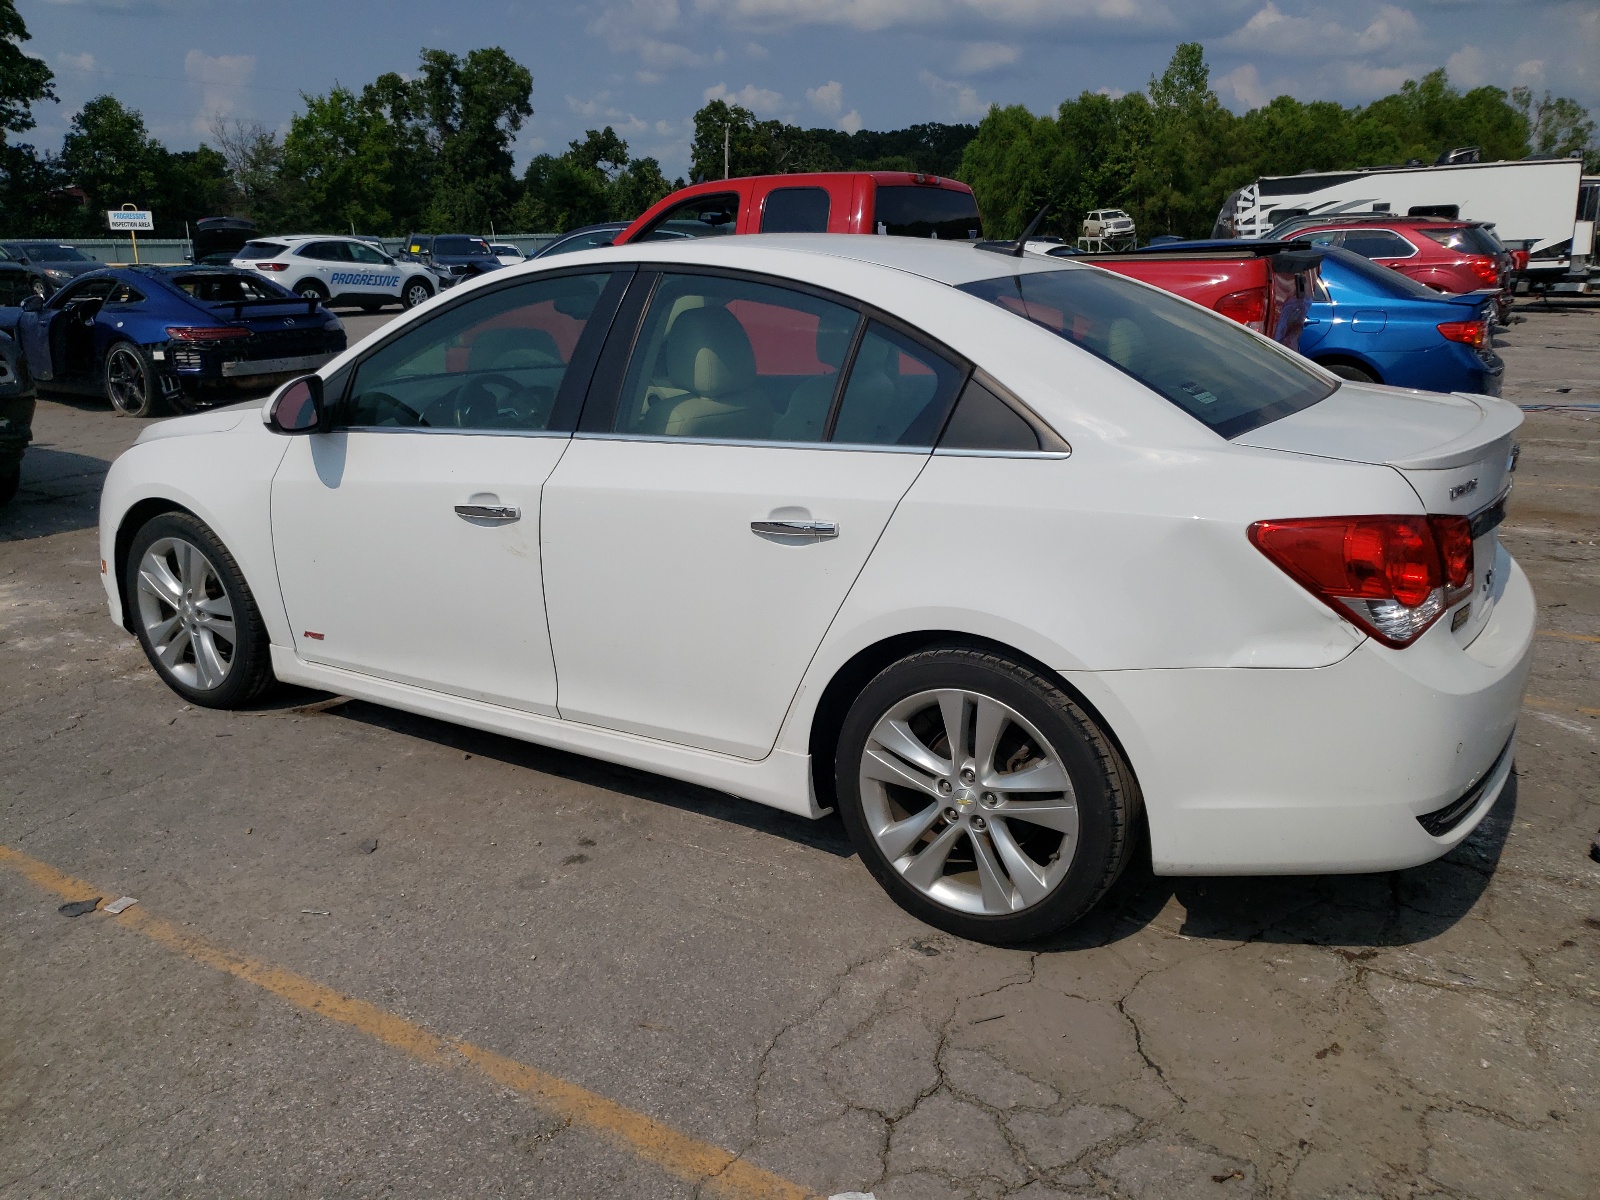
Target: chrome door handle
816, 530
488, 512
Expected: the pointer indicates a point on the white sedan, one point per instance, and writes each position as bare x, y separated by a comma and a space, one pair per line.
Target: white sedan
1005, 559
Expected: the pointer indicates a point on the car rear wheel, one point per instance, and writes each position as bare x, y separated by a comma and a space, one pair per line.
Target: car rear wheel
310, 289
194, 614
982, 797
1352, 373
130, 384
417, 292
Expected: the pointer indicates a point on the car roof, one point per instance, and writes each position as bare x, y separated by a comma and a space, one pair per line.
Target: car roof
953, 263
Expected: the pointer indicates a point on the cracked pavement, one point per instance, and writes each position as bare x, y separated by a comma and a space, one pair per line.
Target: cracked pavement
733, 971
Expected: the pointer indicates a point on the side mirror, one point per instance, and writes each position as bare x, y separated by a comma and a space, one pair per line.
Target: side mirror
32, 302
388, 261
297, 408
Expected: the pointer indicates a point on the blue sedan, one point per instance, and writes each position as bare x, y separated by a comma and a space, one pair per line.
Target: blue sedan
1371, 324
149, 338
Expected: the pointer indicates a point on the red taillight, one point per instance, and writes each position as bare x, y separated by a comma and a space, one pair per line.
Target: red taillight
1468, 333
1390, 576
1519, 260
1248, 307
1485, 268
205, 333
270, 266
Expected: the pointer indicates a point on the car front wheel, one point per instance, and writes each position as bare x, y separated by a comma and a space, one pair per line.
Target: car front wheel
982, 797
195, 615
130, 385
417, 292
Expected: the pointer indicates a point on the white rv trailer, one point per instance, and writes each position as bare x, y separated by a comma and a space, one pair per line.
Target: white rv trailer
1534, 204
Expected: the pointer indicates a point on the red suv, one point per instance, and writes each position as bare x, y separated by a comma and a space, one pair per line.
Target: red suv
1447, 256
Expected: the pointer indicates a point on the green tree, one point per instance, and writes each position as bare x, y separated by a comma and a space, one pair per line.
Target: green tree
1557, 126
560, 194
637, 187
258, 188
471, 108
23, 79
601, 150
1016, 163
337, 151
112, 157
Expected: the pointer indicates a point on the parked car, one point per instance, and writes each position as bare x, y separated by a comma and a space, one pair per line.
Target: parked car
337, 270
452, 257
1008, 560
16, 415
507, 254
147, 338
1112, 224
1265, 286
1447, 256
1374, 325
887, 202
585, 238
50, 264
217, 240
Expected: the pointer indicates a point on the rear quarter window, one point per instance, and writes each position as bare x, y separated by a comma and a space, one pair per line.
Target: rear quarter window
1209, 366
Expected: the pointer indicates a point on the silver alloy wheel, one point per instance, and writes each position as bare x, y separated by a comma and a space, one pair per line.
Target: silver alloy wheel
126, 383
417, 293
969, 802
186, 613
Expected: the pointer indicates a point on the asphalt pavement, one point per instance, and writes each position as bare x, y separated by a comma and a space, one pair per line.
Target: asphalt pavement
378, 955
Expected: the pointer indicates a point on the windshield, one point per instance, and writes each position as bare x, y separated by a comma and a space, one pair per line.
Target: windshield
1470, 239
1211, 367
924, 211
47, 252
266, 250
225, 289
461, 247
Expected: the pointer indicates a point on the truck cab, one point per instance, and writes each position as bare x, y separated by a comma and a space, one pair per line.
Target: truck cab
896, 203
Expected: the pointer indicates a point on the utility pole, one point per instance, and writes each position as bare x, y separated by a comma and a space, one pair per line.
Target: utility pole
725, 127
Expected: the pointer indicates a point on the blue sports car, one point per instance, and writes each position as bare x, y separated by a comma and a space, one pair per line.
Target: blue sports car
148, 338
1373, 324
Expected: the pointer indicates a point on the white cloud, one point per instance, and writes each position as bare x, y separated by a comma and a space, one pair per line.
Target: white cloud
755, 50
1272, 31
978, 58
827, 99
1470, 67
762, 101
1110, 92
850, 122
1244, 83
598, 108
218, 76
76, 62
636, 27
647, 77
872, 15
962, 97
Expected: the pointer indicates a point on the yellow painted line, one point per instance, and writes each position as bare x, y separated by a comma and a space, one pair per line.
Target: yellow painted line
1558, 706
718, 1170
1569, 637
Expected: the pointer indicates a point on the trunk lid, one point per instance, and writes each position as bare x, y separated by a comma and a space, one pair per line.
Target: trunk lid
1457, 452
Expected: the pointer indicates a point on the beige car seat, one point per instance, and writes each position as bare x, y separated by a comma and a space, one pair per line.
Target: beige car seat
708, 358
873, 411
807, 413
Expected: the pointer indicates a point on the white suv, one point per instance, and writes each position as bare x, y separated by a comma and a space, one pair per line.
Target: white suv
1108, 223
338, 270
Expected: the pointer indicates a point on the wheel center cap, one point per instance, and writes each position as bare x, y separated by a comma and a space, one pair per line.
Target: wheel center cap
965, 798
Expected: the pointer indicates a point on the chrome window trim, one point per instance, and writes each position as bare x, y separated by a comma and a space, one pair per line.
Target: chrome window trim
444, 429
763, 442
953, 452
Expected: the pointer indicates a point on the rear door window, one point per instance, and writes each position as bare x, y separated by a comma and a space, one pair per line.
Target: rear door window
898, 394
1209, 366
699, 216
927, 212
795, 210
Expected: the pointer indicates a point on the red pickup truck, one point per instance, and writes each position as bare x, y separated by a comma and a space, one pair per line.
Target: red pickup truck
891, 202
1267, 286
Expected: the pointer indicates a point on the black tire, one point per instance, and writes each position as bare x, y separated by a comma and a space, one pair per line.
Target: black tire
10, 481
371, 306
310, 289
1102, 785
247, 657
128, 382
1353, 374
417, 291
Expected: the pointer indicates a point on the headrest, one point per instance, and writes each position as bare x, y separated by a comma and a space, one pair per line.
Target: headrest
709, 354
509, 348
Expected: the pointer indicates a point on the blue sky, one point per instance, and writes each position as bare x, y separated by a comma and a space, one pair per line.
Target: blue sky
644, 66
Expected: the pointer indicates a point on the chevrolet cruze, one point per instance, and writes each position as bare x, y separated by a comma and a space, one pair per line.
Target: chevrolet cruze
1005, 559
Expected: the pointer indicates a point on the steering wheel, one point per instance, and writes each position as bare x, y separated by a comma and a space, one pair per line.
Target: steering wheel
476, 407
381, 400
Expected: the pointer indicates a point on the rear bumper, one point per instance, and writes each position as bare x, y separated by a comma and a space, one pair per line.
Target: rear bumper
1331, 769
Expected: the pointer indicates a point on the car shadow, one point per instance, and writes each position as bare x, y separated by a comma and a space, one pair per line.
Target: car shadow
1392, 908
60, 492
826, 835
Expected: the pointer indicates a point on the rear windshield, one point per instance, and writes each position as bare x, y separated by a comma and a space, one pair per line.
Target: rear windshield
1211, 367
49, 252
225, 289
1469, 239
1385, 280
462, 246
264, 250
934, 212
